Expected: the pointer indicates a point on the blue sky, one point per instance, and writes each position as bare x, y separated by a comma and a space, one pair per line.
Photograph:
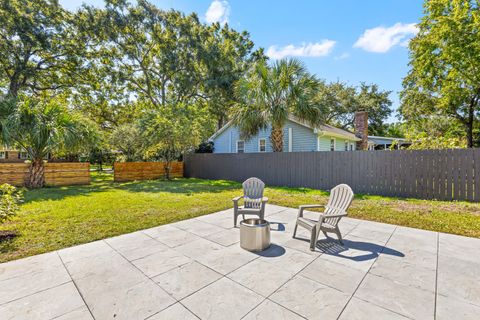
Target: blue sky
348, 40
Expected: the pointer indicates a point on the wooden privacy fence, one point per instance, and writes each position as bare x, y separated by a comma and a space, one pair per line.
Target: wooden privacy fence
425, 174
129, 171
56, 174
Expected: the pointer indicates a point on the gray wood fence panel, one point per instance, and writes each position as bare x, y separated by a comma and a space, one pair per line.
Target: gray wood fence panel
476, 174
423, 174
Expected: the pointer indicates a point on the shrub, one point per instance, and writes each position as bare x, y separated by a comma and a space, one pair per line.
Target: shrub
10, 197
205, 147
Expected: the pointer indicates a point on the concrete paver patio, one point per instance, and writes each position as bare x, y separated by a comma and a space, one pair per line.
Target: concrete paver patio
196, 269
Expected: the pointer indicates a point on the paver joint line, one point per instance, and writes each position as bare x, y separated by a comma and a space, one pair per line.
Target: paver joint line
365, 275
76, 287
34, 293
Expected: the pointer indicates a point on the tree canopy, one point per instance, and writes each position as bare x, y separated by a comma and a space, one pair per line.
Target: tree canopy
40, 48
341, 101
162, 58
444, 79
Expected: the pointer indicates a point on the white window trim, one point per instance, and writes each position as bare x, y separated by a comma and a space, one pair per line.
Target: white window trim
3, 155
346, 145
259, 140
334, 144
352, 147
290, 140
236, 145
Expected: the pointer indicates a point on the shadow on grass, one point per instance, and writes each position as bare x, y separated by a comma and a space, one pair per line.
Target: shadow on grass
7, 243
104, 182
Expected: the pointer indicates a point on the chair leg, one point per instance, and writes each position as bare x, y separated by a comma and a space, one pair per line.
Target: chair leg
235, 216
339, 235
325, 234
313, 239
295, 230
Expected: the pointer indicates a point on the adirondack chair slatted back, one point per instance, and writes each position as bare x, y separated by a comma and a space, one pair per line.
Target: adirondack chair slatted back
340, 199
253, 193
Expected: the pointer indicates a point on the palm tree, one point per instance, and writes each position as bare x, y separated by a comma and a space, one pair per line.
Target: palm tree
267, 95
40, 127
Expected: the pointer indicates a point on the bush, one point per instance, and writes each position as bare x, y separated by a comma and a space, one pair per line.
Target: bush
10, 197
205, 147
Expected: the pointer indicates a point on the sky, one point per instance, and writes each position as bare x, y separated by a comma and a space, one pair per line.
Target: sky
351, 41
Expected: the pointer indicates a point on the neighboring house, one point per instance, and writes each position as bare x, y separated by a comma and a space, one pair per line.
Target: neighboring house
384, 143
298, 136
12, 155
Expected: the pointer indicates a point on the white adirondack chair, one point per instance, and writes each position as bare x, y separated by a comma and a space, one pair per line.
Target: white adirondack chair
254, 201
340, 199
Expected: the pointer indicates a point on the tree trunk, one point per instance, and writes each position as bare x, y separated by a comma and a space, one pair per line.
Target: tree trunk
220, 123
167, 168
470, 135
13, 89
471, 109
36, 174
276, 138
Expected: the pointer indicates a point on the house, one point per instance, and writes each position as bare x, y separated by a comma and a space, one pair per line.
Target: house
384, 143
13, 155
298, 136
9, 155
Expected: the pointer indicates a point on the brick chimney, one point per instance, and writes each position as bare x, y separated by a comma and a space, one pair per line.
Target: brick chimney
361, 129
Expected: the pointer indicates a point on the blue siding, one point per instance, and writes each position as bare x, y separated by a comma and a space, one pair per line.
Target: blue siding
324, 143
222, 142
303, 139
226, 142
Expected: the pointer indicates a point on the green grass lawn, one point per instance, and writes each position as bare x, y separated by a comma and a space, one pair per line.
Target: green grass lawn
54, 218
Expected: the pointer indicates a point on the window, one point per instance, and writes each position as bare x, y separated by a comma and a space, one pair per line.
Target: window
240, 146
3, 155
332, 144
262, 145
23, 155
346, 145
351, 147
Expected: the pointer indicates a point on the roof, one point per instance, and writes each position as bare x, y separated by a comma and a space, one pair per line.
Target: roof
389, 138
383, 140
322, 129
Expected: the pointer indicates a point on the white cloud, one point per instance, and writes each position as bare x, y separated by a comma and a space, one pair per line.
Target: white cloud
218, 11
344, 55
319, 49
382, 39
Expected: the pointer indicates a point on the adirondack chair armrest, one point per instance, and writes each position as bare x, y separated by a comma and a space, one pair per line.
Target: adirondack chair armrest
264, 200
307, 206
235, 201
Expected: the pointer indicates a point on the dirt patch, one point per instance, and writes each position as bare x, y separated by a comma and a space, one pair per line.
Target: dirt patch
6, 235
